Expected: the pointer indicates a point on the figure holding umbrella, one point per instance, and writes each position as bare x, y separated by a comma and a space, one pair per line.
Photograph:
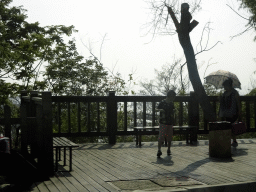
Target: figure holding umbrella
230, 105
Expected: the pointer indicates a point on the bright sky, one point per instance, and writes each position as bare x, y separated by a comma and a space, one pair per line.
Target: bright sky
127, 47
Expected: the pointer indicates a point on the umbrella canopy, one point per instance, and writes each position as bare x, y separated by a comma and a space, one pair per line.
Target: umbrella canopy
218, 77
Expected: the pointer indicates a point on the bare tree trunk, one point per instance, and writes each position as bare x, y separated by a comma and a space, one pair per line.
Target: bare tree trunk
184, 39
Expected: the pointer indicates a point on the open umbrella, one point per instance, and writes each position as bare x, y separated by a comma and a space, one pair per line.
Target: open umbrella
218, 77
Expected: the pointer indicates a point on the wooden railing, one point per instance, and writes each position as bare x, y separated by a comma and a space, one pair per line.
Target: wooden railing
111, 111
44, 116
184, 104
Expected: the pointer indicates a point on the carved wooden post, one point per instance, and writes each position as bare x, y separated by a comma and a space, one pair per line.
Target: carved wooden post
193, 113
112, 117
23, 116
7, 123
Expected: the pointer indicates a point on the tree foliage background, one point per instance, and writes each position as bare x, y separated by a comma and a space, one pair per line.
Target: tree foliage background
33, 57
250, 5
45, 58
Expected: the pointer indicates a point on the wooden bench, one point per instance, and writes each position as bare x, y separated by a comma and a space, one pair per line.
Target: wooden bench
185, 129
63, 143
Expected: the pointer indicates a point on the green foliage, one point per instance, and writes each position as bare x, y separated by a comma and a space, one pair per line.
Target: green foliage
24, 48
251, 6
68, 75
252, 92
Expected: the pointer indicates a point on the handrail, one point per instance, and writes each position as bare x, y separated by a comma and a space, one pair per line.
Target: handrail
37, 100
26, 98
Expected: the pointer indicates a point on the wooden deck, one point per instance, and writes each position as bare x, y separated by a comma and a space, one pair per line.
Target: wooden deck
103, 167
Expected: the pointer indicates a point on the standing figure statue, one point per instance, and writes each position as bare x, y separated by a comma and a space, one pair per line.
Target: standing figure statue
185, 18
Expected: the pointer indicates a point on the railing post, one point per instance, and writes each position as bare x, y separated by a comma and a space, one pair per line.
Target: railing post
31, 124
112, 117
48, 133
24, 130
32, 105
7, 123
193, 113
45, 134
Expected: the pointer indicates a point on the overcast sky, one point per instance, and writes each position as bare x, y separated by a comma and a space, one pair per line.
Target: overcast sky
127, 47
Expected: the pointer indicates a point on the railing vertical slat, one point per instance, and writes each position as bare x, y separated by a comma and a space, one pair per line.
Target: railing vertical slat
98, 117
7, 123
23, 116
254, 112
153, 113
248, 114
88, 116
215, 109
59, 118
125, 116
144, 113
134, 114
205, 123
181, 114
79, 116
69, 122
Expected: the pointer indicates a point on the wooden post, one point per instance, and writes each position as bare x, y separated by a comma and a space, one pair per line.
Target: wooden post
31, 124
32, 105
112, 117
48, 133
45, 134
23, 116
7, 123
193, 113
40, 136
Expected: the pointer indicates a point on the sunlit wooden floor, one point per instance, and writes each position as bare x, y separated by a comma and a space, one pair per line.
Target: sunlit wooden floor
96, 167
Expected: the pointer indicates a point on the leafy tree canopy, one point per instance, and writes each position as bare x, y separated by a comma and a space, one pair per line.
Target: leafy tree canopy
251, 6
33, 57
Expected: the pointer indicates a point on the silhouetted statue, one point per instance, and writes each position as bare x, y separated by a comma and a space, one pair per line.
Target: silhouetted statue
185, 18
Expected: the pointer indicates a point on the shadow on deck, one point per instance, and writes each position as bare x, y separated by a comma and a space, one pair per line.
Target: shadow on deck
125, 167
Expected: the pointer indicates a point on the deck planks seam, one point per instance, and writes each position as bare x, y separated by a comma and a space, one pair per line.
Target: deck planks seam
95, 166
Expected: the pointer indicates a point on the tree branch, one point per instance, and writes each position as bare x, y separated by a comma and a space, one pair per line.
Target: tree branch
237, 13
247, 29
102, 43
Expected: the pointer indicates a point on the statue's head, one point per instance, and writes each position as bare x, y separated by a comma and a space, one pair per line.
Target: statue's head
185, 6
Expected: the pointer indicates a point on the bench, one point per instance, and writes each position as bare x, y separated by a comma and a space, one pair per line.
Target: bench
185, 129
63, 143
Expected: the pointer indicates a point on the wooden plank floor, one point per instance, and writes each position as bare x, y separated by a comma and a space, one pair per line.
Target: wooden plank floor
96, 165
